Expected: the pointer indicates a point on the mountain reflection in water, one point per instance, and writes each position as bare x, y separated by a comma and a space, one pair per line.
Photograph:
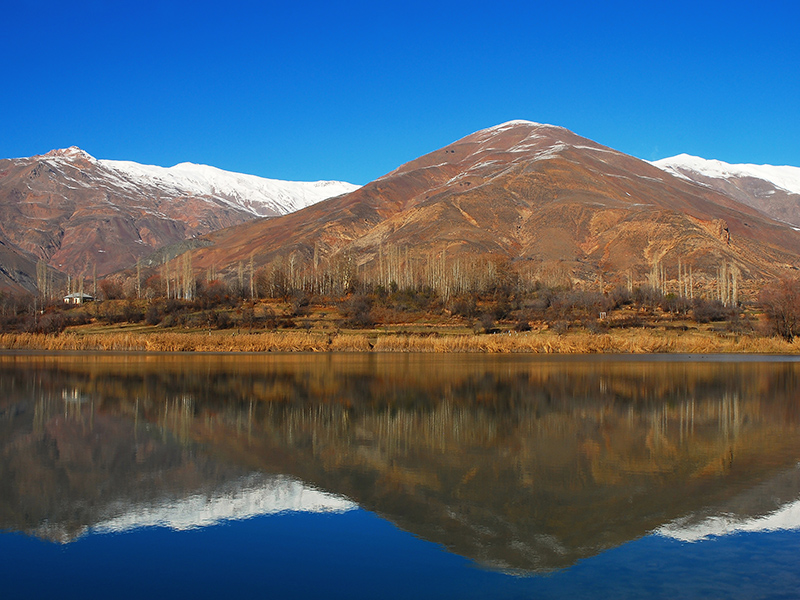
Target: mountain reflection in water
519, 463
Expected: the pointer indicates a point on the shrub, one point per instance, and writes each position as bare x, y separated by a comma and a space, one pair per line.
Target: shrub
576, 305
50, 322
213, 294
486, 323
677, 305
705, 311
132, 313
270, 321
110, 289
153, 315
522, 325
620, 296
646, 296
357, 312
300, 306
464, 306
219, 319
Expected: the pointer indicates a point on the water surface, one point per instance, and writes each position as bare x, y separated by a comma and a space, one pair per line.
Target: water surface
361, 476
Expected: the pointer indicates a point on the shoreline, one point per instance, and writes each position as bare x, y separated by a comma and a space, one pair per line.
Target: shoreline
620, 342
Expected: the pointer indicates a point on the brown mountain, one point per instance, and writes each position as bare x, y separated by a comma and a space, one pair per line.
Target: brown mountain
536, 195
79, 214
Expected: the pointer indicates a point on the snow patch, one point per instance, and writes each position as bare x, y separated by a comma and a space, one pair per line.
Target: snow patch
596, 149
783, 519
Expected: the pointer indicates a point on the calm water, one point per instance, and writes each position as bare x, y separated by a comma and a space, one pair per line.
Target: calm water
380, 476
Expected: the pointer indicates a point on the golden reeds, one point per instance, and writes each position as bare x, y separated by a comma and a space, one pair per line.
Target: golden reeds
620, 342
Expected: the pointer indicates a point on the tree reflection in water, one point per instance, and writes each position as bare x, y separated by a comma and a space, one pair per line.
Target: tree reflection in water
519, 463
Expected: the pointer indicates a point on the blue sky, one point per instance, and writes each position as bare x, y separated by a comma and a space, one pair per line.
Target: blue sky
350, 90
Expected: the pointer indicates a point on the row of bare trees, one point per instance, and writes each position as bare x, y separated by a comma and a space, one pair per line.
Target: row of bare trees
446, 277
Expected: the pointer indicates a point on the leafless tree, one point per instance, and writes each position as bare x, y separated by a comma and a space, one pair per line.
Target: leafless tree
781, 303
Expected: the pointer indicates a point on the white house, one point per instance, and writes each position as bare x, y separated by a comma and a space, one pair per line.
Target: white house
78, 298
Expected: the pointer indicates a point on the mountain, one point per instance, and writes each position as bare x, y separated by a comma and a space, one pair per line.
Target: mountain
536, 195
78, 213
775, 191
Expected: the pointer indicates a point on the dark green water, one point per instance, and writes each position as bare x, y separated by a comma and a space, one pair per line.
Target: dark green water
366, 476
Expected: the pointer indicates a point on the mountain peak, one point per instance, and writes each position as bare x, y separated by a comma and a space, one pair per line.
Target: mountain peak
516, 123
73, 153
519, 124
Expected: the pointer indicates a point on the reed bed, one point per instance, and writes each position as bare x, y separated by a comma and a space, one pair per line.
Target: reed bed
632, 342
170, 342
621, 342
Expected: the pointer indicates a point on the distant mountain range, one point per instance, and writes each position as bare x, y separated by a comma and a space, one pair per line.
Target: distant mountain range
536, 195
774, 191
80, 214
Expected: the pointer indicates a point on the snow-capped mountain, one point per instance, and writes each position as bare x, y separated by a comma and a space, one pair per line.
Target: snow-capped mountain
81, 214
261, 196
773, 190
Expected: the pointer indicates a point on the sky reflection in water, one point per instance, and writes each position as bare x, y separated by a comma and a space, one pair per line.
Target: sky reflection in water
359, 555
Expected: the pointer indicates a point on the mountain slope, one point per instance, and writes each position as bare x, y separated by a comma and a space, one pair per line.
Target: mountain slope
532, 194
775, 191
78, 213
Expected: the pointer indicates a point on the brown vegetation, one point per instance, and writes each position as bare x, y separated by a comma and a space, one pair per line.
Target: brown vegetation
500, 312
579, 342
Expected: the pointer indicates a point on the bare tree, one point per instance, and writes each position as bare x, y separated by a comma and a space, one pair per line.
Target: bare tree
781, 303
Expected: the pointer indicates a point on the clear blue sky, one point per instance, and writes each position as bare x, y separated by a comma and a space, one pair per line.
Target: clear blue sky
350, 90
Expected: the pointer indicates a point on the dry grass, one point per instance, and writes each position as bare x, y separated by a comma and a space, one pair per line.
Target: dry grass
620, 342
170, 342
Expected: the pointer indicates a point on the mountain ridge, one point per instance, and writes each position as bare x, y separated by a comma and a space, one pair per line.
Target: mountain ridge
82, 215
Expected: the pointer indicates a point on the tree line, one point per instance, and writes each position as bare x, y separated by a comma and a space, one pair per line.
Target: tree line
393, 288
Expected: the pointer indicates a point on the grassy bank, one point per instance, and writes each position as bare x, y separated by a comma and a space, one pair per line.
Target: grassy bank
577, 342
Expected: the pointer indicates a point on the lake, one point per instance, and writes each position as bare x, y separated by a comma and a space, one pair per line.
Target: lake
399, 476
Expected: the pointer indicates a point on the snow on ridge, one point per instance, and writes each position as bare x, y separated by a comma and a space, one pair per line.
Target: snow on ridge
514, 123
784, 177
247, 191
489, 132
261, 497
257, 195
517, 123
785, 518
